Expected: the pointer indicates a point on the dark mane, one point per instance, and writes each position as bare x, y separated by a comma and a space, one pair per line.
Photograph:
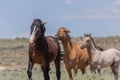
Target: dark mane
38, 23
99, 48
43, 50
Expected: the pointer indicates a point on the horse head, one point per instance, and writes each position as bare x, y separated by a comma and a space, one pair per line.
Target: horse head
37, 30
86, 41
62, 33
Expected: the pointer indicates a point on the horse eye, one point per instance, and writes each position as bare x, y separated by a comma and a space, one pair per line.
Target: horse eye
88, 40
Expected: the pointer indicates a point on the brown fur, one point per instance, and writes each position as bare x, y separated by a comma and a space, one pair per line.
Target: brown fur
74, 57
43, 50
37, 54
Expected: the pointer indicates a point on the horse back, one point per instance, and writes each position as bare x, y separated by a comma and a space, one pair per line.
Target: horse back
53, 45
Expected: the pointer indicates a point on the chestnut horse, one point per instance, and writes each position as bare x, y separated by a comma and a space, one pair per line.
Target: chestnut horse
43, 50
74, 57
101, 59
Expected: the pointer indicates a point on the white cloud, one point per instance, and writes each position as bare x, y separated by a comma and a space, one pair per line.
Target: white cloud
69, 1
113, 7
116, 3
95, 16
114, 10
90, 11
111, 10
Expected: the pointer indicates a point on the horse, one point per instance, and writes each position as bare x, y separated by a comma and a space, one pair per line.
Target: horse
101, 59
99, 48
74, 57
43, 50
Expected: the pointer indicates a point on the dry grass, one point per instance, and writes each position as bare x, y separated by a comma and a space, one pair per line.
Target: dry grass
14, 58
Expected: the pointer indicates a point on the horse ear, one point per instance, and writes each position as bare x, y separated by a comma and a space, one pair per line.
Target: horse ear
68, 31
43, 23
90, 34
84, 34
44, 29
34, 19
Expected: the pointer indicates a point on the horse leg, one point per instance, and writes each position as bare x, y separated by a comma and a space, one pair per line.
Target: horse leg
114, 68
99, 69
57, 65
45, 68
75, 73
92, 69
83, 71
69, 72
29, 71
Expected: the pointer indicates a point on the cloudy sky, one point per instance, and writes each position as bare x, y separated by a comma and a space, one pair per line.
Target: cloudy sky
99, 17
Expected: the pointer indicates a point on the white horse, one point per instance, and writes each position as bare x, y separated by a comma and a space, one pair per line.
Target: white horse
100, 59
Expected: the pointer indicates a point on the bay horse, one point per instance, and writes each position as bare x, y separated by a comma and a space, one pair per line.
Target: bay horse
101, 59
74, 57
43, 50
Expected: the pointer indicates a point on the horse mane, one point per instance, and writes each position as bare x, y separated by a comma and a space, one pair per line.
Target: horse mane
97, 47
69, 37
42, 41
38, 22
93, 41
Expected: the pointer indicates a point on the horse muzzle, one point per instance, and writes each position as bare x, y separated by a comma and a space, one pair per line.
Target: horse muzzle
31, 42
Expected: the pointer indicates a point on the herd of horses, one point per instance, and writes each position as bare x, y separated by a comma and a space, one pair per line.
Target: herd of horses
45, 49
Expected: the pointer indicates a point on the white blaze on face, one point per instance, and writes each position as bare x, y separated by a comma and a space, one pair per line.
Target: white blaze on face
32, 37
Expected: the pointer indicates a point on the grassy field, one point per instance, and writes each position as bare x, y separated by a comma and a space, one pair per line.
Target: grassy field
14, 60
